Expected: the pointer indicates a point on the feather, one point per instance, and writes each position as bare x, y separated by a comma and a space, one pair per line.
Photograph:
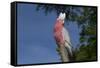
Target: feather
62, 16
66, 39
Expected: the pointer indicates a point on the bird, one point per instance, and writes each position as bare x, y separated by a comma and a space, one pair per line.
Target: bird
62, 38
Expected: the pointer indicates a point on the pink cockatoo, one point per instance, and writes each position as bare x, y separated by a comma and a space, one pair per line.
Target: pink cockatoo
62, 37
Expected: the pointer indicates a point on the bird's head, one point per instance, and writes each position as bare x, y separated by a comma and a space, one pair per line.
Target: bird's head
62, 17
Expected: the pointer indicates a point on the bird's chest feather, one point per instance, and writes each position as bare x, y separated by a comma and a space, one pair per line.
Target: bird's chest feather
58, 34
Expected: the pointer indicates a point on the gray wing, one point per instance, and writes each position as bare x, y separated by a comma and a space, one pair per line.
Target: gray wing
66, 38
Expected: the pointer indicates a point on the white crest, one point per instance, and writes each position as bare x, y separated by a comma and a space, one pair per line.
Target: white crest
62, 16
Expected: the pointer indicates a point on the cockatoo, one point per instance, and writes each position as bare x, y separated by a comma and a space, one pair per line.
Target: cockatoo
62, 37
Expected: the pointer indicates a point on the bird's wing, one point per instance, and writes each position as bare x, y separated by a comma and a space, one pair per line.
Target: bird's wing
66, 39
66, 36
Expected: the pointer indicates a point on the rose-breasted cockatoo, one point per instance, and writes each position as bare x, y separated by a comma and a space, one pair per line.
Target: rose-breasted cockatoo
62, 38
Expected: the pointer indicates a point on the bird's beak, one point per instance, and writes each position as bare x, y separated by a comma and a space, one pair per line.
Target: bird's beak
63, 23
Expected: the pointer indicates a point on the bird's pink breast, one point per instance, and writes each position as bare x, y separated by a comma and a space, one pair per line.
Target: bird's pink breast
58, 32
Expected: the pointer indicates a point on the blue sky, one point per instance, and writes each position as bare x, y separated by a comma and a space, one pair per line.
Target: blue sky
36, 43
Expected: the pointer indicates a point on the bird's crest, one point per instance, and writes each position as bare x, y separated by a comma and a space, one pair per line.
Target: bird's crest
62, 16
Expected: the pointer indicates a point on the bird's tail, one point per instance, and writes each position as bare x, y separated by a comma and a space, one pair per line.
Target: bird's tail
69, 50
